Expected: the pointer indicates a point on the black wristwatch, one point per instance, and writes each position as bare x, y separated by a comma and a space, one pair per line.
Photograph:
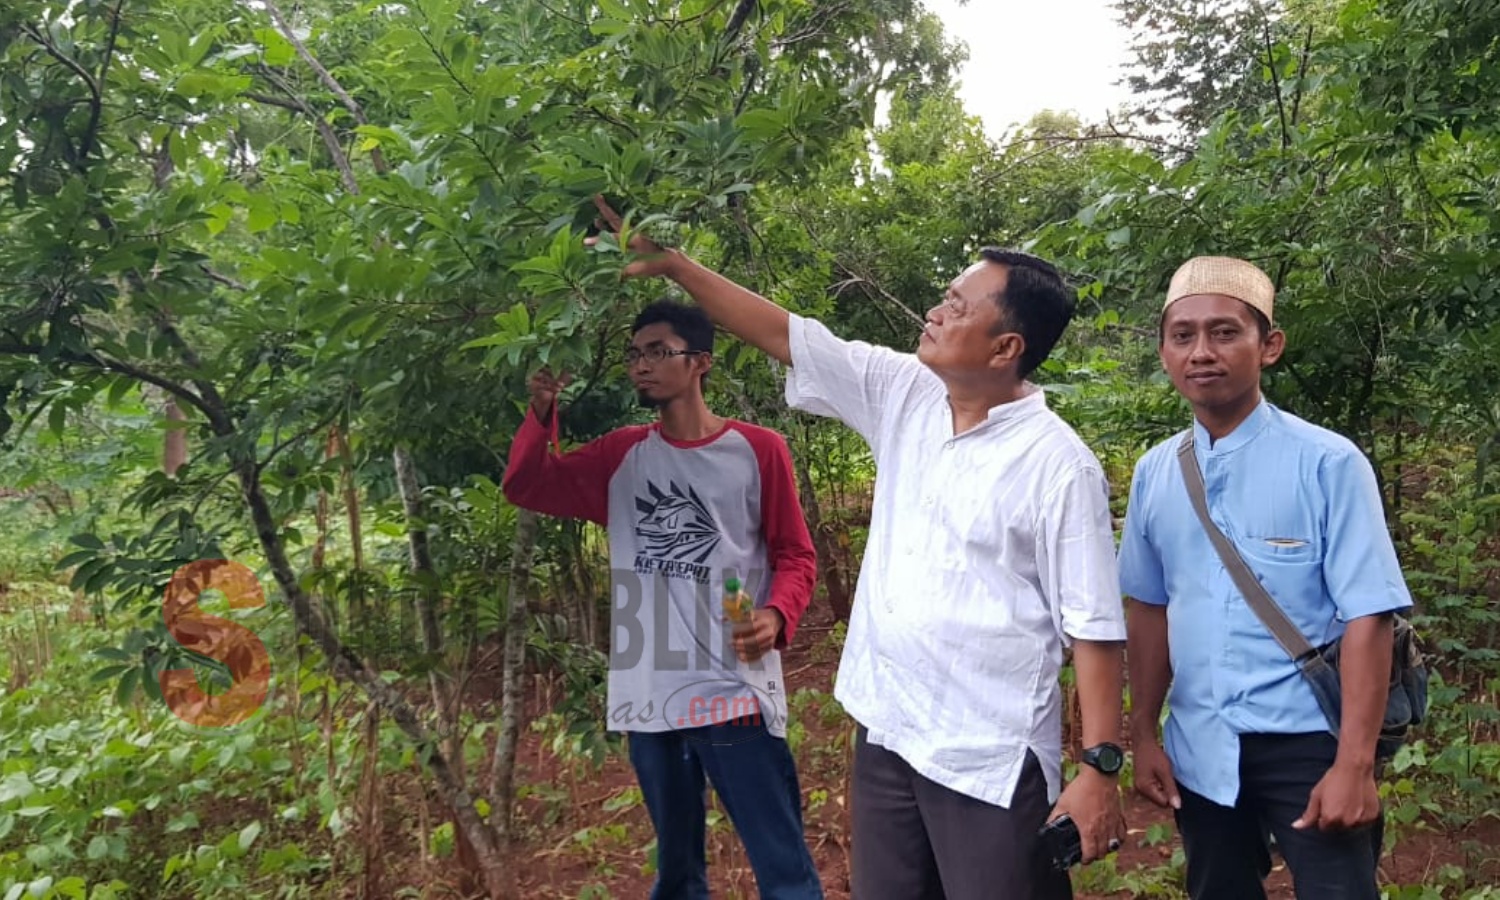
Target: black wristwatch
1107, 758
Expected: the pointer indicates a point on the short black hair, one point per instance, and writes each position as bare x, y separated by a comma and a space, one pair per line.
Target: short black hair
1036, 303
688, 322
1262, 324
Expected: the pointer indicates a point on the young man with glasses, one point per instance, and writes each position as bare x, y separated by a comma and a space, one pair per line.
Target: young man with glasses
690, 502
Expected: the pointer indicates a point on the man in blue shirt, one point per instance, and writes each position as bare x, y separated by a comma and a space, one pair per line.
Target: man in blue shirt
1248, 750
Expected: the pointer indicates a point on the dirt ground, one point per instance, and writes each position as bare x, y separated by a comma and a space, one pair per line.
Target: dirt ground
583, 835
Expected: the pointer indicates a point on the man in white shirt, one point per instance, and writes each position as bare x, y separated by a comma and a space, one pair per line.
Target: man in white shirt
990, 550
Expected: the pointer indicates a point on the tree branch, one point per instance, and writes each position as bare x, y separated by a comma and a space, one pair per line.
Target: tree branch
1286, 135
324, 76
301, 435
220, 278
1302, 74
268, 100
95, 361
312, 62
325, 131
737, 20
96, 101
97, 111
867, 284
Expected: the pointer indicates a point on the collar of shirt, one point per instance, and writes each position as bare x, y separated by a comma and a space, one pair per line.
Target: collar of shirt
1243, 433
1032, 401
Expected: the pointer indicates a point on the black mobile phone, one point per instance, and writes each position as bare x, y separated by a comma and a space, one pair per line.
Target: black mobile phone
1060, 844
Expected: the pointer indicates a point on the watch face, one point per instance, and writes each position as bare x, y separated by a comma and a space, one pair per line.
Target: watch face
1108, 758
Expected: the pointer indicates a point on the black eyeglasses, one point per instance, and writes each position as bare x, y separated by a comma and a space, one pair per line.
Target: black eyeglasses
655, 355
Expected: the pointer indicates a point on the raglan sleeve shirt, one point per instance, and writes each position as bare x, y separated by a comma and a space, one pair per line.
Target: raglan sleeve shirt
572, 485
789, 546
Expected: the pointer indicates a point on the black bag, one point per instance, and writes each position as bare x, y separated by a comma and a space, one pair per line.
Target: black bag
1406, 702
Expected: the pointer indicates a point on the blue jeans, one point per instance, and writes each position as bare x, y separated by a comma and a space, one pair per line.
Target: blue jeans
753, 773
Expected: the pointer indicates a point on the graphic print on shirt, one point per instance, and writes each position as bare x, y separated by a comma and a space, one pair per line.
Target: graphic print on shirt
677, 533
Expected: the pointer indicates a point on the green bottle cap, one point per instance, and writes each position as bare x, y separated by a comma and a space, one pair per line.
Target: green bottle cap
731, 585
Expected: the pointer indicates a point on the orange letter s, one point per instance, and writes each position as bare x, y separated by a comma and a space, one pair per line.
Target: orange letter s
232, 644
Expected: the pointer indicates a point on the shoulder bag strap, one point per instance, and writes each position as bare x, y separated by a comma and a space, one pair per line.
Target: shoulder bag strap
1264, 605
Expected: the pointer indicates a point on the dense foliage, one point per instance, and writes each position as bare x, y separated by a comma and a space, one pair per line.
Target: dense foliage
311, 253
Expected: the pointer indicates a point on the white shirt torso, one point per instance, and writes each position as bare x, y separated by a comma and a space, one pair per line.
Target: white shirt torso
987, 552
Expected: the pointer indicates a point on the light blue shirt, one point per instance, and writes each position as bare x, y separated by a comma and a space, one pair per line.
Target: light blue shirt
1302, 505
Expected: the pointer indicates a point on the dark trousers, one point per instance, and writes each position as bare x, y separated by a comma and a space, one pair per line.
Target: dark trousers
917, 840
1228, 848
755, 777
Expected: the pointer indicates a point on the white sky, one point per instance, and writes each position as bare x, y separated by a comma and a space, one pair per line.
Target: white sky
1029, 55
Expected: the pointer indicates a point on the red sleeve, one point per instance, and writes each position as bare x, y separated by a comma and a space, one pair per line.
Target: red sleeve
789, 548
572, 485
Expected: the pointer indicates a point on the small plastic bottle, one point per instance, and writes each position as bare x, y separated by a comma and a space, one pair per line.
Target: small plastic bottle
738, 605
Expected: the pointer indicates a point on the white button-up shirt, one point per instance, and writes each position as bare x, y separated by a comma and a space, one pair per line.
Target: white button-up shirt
987, 552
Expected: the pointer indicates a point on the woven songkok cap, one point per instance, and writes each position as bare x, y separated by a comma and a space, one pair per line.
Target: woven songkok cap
1223, 275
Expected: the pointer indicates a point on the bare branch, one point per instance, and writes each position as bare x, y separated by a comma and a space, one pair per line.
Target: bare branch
737, 20
97, 111
324, 76
268, 100
866, 284
301, 435
312, 62
222, 279
1286, 134
816, 28
325, 131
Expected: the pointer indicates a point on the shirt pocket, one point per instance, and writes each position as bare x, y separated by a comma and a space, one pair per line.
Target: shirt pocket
1279, 547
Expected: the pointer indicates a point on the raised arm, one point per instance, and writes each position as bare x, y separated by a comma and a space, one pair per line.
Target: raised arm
738, 310
572, 485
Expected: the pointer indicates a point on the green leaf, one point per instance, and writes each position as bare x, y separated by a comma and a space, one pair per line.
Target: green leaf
248, 834
16, 786
262, 213
125, 692
185, 822
33, 812
57, 418
278, 50
98, 848
107, 673
73, 559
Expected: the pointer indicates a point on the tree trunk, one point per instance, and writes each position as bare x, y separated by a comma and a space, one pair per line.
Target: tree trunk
174, 448
511, 699
829, 558
370, 808
348, 667
321, 515
427, 599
